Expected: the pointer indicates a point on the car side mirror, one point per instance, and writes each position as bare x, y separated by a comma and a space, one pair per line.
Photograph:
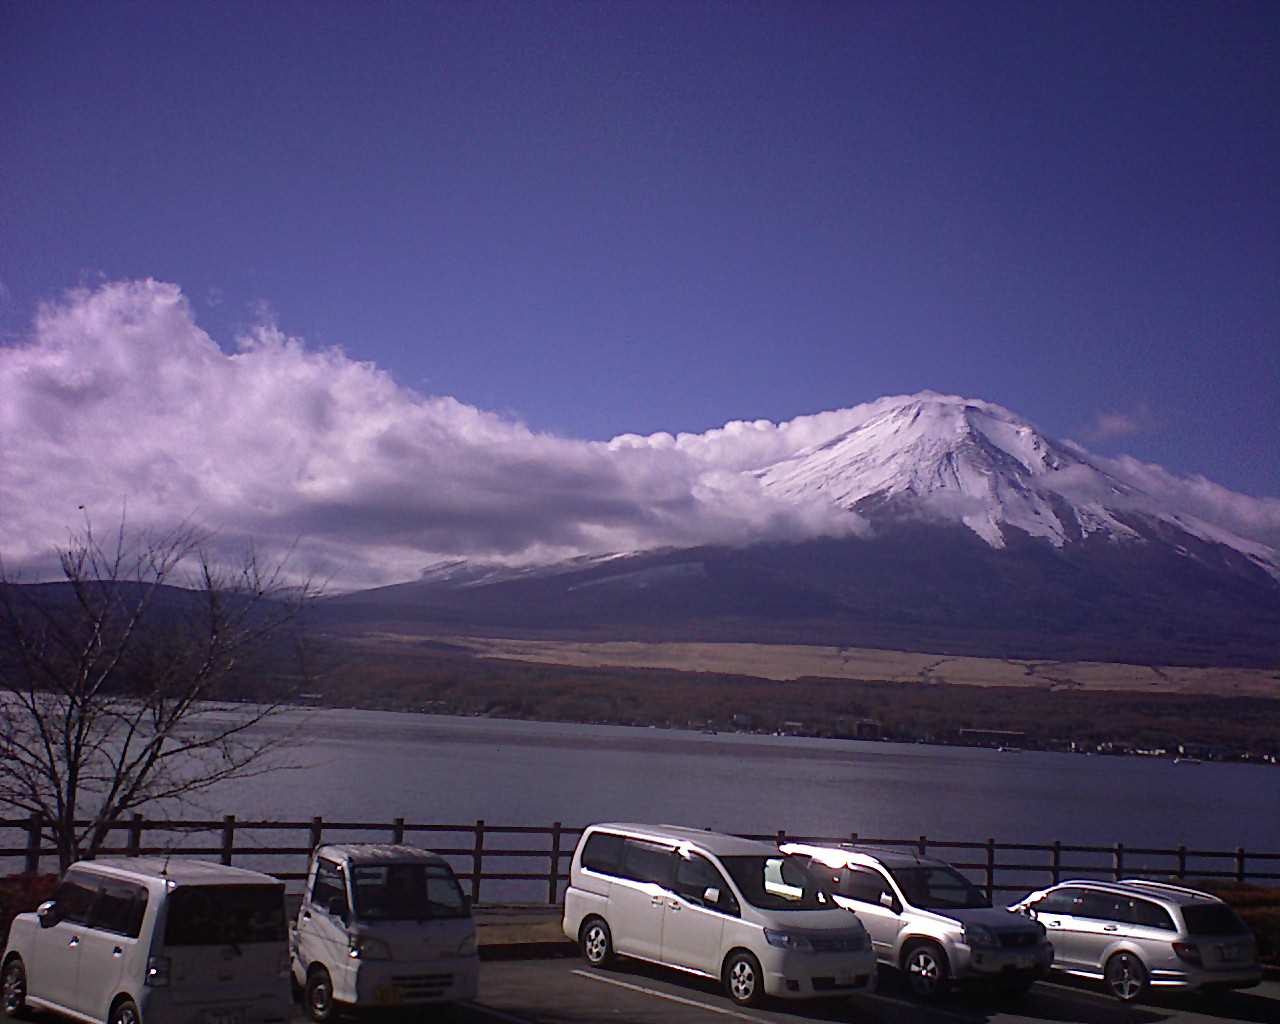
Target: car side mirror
47, 914
338, 908
711, 896
890, 902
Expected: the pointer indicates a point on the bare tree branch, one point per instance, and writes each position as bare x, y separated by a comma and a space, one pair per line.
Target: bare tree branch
106, 678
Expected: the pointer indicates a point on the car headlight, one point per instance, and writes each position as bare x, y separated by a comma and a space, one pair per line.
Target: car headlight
362, 947
980, 935
785, 940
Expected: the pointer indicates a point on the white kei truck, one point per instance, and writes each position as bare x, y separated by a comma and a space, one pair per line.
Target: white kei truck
381, 925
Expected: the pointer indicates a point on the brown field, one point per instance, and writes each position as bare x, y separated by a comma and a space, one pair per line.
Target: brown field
789, 662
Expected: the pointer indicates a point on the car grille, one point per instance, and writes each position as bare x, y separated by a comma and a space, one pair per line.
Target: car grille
841, 944
1019, 940
421, 986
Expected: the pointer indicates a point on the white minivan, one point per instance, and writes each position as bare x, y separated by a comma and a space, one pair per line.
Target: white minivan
720, 906
382, 925
155, 940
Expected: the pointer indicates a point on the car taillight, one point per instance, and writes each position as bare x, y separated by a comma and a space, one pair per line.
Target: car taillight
157, 971
1188, 951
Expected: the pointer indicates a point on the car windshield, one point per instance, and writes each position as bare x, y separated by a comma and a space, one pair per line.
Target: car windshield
776, 883
225, 915
1213, 919
407, 892
937, 887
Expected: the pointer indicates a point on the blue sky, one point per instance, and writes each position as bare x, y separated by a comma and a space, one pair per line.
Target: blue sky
604, 218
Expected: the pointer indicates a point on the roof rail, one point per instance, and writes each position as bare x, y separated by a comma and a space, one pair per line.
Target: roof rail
1165, 886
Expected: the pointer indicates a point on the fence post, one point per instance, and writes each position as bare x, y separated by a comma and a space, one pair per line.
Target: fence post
853, 838
923, 846
317, 826
1182, 862
477, 861
228, 837
33, 843
1239, 863
782, 836
135, 835
397, 831
991, 867
553, 875
1117, 860
1056, 861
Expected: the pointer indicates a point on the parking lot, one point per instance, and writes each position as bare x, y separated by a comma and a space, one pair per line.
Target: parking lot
566, 991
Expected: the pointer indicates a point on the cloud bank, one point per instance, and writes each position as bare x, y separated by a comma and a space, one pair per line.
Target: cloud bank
119, 397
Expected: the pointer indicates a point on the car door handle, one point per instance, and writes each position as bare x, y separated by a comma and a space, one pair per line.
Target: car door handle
1054, 924
75, 941
1109, 928
657, 901
306, 915
674, 904
117, 951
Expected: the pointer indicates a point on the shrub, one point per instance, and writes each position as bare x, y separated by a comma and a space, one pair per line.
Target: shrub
20, 894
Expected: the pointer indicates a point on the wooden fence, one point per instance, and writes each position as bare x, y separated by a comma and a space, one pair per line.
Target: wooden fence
533, 860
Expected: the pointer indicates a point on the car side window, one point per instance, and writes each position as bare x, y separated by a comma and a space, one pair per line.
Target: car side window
119, 908
695, 875
863, 885
74, 898
603, 853
647, 862
1103, 906
1064, 901
1149, 915
330, 884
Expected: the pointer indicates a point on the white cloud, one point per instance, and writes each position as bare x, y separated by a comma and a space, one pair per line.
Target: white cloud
119, 397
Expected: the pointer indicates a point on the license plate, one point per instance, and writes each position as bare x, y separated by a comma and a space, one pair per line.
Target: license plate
1230, 953
223, 1017
386, 995
1024, 963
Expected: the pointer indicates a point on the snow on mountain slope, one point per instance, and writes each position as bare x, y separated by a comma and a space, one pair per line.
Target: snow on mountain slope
978, 463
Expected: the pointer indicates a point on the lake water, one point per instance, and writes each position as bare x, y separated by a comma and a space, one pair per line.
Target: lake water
376, 766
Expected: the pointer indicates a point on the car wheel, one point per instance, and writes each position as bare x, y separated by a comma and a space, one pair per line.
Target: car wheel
125, 1012
743, 979
925, 966
15, 988
597, 943
319, 995
1126, 977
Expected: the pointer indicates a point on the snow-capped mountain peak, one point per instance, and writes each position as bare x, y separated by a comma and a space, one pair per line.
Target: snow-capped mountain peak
972, 461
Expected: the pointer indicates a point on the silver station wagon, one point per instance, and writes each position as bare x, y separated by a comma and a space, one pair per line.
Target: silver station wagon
1134, 934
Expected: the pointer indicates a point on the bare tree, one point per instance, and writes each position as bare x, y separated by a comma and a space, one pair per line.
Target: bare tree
107, 679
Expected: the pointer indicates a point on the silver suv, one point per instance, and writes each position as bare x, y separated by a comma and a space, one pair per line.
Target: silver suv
1134, 934
929, 921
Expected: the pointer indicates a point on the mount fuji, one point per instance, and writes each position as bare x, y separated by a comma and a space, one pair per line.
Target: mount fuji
971, 532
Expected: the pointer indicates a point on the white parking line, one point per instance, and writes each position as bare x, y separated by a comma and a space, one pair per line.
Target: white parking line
665, 995
496, 1014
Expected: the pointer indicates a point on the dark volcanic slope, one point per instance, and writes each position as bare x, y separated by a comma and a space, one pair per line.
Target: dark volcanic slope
914, 587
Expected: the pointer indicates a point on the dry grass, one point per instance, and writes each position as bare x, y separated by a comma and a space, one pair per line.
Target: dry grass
787, 662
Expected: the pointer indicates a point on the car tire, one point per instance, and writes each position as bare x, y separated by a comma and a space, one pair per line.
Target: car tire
125, 1012
318, 996
925, 968
14, 987
597, 942
743, 979
1126, 977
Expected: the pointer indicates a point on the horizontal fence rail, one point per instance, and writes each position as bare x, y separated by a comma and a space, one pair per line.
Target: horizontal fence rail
529, 863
